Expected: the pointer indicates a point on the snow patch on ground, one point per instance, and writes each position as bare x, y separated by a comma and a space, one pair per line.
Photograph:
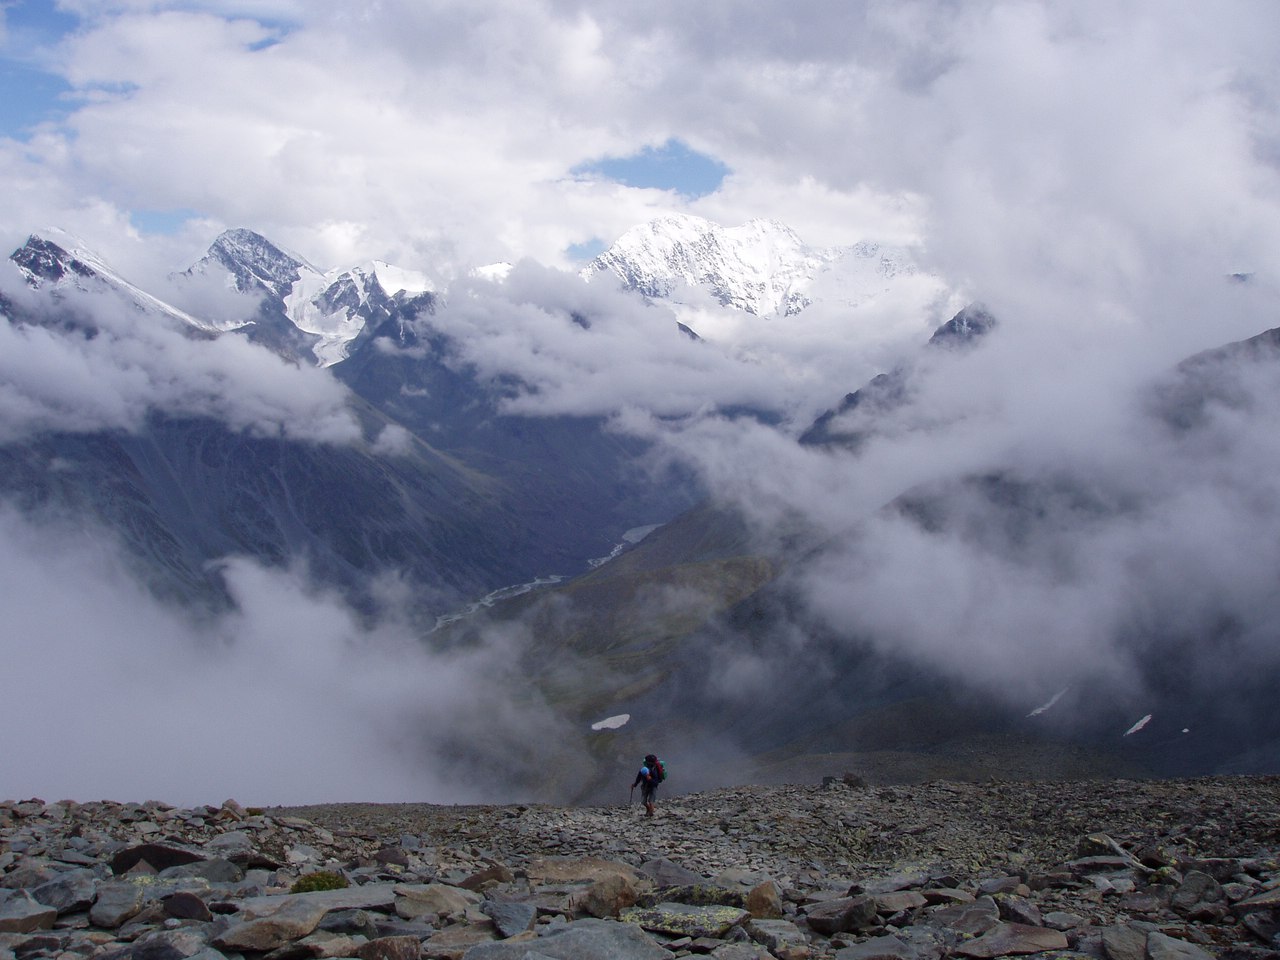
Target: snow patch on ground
1051, 701
612, 723
1139, 725
632, 536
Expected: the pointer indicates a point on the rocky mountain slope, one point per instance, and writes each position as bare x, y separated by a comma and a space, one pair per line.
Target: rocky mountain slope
467, 501
1112, 870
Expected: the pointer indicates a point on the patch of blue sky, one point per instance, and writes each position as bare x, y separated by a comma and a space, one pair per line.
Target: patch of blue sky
28, 97
161, 222
585, 251
673, 166
29, 92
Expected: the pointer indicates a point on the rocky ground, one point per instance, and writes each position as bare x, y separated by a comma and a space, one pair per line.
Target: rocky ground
1115, 870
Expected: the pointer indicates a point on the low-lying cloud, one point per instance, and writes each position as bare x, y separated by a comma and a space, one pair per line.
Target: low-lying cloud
290, 697
118, 365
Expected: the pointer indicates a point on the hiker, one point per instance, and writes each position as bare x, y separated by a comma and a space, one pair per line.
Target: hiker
652, 773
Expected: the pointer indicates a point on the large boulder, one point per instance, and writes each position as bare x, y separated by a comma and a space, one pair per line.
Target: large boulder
841, 915
296, 918
433, 899
117, 902
685, 920
1012, 939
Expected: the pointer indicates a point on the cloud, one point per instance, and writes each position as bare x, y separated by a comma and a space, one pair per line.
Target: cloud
133, 366
291, 697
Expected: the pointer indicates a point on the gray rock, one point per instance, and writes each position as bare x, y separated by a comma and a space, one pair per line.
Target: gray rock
1018, 910
350, 923
887, 948
296, 918
403, 928
68, 892
994, 885
1062, 920
371, 896
581, 940
117, 902
433, 899
169, 945
683, 920
739, 951
912, 875
1153, 899
780, 937
1163, 947
452, 942
29, 875
20, 913
1196, 887
1011, 939
841, 915
390, 948
217, 870
971, 919
229, 843
1124, 943
1267, 900
887, 904
510, 919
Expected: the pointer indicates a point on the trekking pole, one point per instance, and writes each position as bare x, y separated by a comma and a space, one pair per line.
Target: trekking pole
632, 799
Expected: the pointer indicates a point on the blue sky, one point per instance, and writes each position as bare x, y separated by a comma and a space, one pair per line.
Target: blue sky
672, 166
29, 93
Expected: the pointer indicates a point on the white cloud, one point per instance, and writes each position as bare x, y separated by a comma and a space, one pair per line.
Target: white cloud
133, 366
290, 697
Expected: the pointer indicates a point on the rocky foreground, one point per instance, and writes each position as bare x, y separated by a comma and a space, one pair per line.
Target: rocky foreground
1119, 870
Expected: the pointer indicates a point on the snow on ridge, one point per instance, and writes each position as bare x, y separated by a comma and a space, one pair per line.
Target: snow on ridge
761, 267
74, 247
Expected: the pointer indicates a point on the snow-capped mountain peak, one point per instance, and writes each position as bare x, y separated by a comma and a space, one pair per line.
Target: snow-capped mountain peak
54, 260
252, 262
762, 266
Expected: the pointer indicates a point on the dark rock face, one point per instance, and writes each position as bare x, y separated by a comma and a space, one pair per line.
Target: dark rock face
963, 886
46, 261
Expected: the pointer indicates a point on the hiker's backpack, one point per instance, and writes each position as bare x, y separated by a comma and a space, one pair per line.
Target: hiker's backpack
659, 771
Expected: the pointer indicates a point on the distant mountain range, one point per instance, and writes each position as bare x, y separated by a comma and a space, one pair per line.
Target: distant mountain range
444, 484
